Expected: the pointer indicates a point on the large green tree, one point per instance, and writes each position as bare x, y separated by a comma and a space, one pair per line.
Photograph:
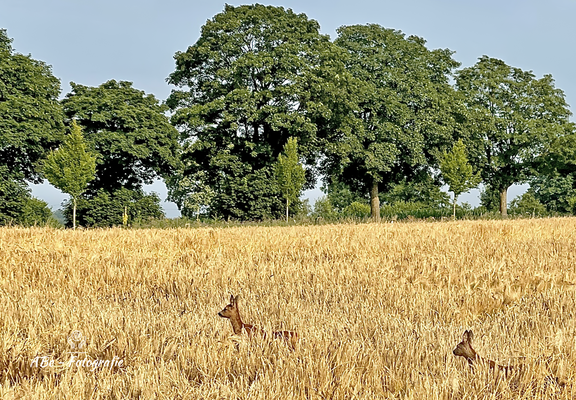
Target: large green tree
256, 76
554, 185
513, 120
134, 142
71, 167
405, 110
128, 130
31, 120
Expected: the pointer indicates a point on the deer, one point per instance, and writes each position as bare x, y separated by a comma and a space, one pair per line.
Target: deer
232, 312
465, 349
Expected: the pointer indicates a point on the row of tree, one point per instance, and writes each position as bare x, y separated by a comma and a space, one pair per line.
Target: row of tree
372, 110
374, 113
125, 130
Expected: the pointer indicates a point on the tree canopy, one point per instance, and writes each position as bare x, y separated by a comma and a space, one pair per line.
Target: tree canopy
513, 120
31, 120
128, 131
289, 173
374, 113
71, 167
256, 76
403, 109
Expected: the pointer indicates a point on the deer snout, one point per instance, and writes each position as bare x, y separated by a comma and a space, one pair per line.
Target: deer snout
220, 314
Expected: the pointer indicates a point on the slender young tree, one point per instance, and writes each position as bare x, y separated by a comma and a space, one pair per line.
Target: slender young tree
289, 173
71, 167
457, 172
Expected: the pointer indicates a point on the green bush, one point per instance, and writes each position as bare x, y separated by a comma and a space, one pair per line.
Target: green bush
323, 209
415, 209
17, 206
37, 212
357, 210
424, 192
527, 205
107, 209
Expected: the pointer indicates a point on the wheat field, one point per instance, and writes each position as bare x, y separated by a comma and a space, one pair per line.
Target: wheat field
378, 309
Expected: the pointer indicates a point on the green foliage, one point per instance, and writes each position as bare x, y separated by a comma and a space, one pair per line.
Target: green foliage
513, 120
490, 198
527, 205
30, 114
303, 211
555, 192
340, 194
13, 196
289, 173
421, 191
37, 212
414, 209
190, 193
256, 76
323, 209
17, 206
71, 167
129, 132
403, 108
107, 209
457, 172
357, 210
243, 194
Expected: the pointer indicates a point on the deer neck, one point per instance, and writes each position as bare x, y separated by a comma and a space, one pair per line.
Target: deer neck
474, 358
237, 324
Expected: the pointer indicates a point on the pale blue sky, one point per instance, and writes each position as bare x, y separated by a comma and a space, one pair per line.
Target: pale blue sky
90, 42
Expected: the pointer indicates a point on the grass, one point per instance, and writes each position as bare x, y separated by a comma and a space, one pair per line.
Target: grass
378, 308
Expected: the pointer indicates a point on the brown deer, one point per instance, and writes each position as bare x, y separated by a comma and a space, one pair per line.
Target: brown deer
465, 349
232, 312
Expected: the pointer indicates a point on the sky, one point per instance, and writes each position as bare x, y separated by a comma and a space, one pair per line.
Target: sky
91, 42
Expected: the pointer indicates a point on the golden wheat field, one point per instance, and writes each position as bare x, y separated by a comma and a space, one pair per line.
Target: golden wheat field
378, 309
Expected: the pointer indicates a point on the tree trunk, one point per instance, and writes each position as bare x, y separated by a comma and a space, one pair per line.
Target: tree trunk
503, 202
74, 213
455, 198
375, 202
287, 205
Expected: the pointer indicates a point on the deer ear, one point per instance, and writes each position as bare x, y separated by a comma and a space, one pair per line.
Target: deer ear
231, 299
236, 299
468, 336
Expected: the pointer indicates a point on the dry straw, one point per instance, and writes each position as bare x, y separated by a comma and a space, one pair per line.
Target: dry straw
378, 309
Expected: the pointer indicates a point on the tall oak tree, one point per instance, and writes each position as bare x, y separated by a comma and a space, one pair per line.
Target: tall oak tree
404, 110
513, 120
256, 76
